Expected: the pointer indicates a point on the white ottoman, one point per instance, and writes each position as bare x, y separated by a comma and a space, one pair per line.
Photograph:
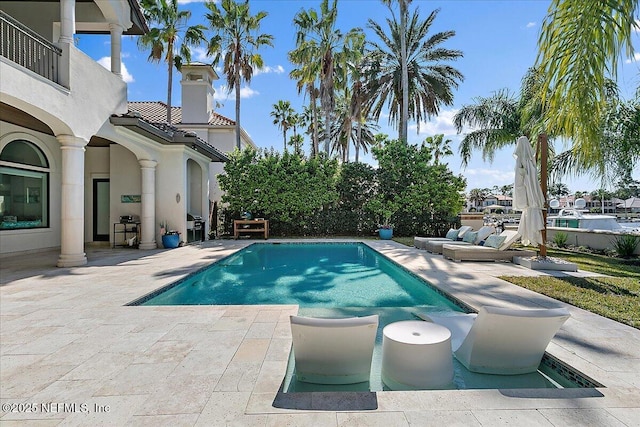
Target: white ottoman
416, 355
421, 242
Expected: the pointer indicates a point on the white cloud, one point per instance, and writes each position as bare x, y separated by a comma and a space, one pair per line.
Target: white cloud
441, 124
222, 93
637, 29
199, 54
636, 58
247, 92
193, 1
530, 24
278, 69
105, 61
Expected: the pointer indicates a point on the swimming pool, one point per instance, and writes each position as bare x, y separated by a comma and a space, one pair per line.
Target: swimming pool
316, 275
339, 280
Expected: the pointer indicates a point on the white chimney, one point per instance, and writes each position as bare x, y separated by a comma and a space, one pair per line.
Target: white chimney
197, 92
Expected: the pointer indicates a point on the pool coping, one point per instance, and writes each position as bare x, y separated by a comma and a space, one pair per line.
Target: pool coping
76, 303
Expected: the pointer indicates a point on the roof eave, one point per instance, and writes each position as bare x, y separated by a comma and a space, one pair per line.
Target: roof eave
141, 127
192, 142
140, 26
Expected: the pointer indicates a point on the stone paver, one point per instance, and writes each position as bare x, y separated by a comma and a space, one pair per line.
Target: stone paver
73, 353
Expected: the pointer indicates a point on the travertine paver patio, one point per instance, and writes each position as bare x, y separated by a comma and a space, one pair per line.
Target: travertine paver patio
72, 353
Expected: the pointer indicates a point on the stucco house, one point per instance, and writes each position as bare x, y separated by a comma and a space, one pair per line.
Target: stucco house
74, 158
492, 202
197, 116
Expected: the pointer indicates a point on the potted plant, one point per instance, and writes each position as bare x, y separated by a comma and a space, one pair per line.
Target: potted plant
385, 210
385, 230
170, 238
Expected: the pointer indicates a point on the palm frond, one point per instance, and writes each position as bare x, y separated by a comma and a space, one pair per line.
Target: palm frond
580, 44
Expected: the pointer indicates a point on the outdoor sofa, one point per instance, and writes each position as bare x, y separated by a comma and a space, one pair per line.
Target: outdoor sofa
470, 238
496, 248
452, 236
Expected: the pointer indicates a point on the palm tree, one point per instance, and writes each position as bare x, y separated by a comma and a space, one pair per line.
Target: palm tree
579, 47
282, 114
344, 132
495, 121
476, 196
404, 76
602, 194
296, 142
430, 79
169, 25
438, 147
356, 66
295, 120
318, 40
307, 76
507, 190
310, 122
558, 190
236, 39
498, 120
619, 147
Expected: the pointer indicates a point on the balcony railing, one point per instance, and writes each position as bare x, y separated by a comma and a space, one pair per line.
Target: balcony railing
28, 49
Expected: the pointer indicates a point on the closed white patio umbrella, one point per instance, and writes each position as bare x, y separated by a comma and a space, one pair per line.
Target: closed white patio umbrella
527, 195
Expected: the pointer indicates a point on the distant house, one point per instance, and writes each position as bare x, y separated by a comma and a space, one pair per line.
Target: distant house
630, 205
75, 156
495, 202
492, 203
593, 204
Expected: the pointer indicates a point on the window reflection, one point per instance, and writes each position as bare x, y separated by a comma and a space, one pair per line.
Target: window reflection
24, 176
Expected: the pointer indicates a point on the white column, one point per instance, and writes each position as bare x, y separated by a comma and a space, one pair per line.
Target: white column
116, 48
148, 208
72, 202
67, 21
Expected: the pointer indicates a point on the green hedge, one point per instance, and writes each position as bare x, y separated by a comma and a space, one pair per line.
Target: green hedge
318, 196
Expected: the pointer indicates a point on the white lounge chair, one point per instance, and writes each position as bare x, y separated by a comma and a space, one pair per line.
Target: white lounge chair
501, 252
502, 341
420, 242
333, 351
435, 246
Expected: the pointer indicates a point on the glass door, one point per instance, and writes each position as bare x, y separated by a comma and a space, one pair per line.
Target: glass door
101, 224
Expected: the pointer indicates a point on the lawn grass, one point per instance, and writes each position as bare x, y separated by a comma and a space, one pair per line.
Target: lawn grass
616, 296
602, 264
408, 241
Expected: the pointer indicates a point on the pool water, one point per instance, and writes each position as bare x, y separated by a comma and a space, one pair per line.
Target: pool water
308, 274
332, 280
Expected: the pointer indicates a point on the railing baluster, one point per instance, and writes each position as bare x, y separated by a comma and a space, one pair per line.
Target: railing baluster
27, 48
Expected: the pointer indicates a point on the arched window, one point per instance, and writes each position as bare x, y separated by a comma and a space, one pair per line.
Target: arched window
24, 186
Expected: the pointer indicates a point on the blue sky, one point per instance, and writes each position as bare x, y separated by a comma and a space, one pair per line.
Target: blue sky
498, 40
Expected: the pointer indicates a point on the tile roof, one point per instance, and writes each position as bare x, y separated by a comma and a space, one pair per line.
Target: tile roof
632, 202
156, 112
220, 120
499, 197
167, 132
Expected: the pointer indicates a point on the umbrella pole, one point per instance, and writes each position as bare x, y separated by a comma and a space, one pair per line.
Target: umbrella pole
544, 151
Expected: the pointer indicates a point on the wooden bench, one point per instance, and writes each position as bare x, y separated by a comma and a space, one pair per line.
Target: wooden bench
254, 226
